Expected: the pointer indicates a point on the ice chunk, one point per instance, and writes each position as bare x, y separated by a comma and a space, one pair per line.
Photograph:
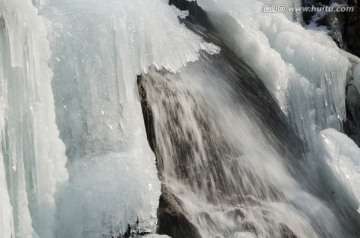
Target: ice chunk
111, 191
344, 158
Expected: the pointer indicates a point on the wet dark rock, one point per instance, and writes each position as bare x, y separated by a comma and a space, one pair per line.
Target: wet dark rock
308, 16
172, 220
131, 231
352, 28
344, 27
127, 234
352, 123
196, 14
334, 22
147, 114
351, 37
286, 232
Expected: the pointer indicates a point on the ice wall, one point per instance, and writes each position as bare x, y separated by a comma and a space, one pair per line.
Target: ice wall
98, 50
303, 69
343, 157
32, 163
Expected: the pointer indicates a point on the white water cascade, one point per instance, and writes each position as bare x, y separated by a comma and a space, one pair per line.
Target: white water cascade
302, 68
240, 121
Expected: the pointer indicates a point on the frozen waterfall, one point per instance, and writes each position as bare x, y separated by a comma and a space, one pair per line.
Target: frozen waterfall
32, 165
180, 118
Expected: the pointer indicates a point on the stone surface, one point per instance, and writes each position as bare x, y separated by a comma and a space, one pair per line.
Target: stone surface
344, 27
172, 219
352, 123
351, 32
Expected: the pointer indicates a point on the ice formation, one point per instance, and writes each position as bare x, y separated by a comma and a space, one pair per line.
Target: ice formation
343, 156
32, 163
75, 160
97, 51
286, 56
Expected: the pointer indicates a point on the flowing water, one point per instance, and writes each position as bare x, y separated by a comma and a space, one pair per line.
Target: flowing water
237, 106
216, 153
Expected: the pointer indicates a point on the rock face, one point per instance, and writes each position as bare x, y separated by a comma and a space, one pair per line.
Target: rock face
351, 33
344, 27
286, 232
352, 123
196, 13
335, 24
172, 221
